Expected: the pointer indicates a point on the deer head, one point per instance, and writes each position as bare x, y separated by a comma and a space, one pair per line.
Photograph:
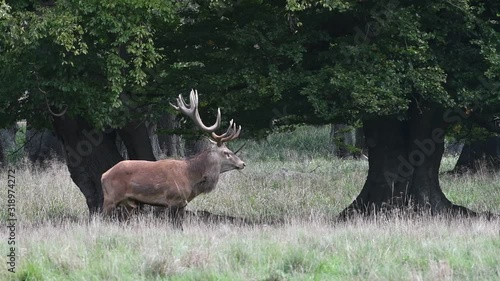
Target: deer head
227, 159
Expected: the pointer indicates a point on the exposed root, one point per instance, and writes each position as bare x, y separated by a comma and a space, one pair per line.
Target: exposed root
354, 211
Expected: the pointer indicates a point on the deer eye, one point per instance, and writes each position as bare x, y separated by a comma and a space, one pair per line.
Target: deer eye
227, 154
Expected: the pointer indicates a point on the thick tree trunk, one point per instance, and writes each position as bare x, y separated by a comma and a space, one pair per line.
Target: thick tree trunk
89, 153
404, 163
135, 136
478, 155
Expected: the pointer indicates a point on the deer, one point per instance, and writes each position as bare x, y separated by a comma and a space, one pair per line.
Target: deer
172, 183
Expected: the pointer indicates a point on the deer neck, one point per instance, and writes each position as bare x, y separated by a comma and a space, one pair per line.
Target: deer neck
204, 170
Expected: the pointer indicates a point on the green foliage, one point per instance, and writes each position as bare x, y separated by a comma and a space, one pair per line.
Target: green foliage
388, 54
324, 61
80, 55
243, 57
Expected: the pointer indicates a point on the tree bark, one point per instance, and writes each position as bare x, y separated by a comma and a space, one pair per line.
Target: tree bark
7, 142
135, 136
404, 163
155, 145
168, 141
2, 157
194, 146
42, 145
346, 141
478, 155
89, 153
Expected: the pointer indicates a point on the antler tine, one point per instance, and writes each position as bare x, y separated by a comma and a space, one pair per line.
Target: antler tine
182, 104
235, 134
191, 111
193, 99
231, 133
184, 107
228, 131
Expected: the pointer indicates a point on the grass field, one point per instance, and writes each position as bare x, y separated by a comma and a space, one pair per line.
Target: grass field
283, 180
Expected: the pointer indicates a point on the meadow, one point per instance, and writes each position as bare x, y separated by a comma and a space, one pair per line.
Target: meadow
290, 177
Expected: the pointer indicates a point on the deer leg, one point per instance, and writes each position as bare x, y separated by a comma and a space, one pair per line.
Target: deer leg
176, 215
108, 207
129, 206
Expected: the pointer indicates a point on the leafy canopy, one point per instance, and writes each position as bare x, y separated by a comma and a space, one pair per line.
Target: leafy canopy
382, 55
78, 54
293, 61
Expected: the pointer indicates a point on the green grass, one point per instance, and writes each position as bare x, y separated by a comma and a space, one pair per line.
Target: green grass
55, 240
148, 249
301, 144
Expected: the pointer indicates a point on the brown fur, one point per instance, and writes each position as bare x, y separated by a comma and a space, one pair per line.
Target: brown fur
169, 183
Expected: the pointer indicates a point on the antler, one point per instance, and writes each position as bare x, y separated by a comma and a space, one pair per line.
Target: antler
191, 111
230, 134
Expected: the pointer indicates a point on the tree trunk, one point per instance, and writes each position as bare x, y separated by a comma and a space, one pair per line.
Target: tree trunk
479, 154
7, 142
168, 141
404, 163
122, 149
135, 136
194, 146
89, 153
155, 145
42, 145
346, 141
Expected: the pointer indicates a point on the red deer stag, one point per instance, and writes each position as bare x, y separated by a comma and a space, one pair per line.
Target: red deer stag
172, 183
